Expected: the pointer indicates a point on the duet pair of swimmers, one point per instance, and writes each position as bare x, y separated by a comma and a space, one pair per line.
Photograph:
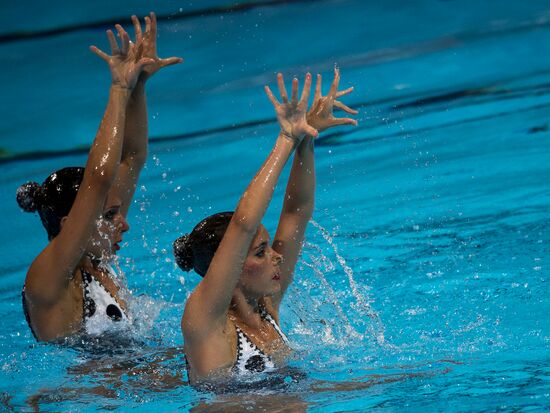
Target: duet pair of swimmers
231, 320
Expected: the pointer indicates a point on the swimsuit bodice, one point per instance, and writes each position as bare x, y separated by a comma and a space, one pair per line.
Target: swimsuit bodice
101, 311
250, 358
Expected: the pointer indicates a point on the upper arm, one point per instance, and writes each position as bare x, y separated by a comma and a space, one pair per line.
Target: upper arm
288, 242
126, 181
209, 302
52, 270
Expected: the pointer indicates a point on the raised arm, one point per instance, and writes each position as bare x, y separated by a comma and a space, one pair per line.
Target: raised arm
51, 271
300, 190
209, 303
134, 148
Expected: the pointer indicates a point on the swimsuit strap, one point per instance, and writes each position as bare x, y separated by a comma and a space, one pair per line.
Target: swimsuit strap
88, 304
266, 316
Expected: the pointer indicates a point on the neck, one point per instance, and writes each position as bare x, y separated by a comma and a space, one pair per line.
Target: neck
246, 309
90, 260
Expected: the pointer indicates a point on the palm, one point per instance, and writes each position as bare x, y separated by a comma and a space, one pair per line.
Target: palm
292, 114
320, 116
125, 66
146, 45
292, 118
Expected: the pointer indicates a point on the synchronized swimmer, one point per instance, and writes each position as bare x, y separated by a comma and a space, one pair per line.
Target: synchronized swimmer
231, 320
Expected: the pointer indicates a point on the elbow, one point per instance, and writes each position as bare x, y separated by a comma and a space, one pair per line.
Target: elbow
245, 222
136, 160
102, 177
303, 212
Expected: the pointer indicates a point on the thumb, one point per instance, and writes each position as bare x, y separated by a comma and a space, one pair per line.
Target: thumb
170, 61
311, 131
145, 61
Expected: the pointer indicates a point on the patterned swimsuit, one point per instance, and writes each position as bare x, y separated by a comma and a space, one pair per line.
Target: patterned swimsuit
101, 312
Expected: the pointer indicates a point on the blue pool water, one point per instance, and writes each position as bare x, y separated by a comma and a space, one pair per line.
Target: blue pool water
423, 283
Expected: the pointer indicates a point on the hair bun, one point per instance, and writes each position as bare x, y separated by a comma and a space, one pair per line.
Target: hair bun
184, 253
27, 196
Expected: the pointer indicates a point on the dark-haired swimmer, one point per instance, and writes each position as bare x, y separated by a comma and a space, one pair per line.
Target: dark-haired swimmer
69, 289
231, 320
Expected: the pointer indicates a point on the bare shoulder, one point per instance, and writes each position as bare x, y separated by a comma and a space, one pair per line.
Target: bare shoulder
47, 280
52, 316
211, 353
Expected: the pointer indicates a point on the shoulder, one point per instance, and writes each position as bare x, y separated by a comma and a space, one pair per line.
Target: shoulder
47, 282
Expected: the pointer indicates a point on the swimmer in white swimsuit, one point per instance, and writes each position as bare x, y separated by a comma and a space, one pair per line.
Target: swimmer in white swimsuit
231, 320
84, 209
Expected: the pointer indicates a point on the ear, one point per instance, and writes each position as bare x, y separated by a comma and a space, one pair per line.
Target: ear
62, 222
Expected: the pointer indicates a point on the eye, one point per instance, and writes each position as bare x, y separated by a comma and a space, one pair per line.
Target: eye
109, 215
260, 253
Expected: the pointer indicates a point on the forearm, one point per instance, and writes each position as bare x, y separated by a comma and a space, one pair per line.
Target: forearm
106, 150
134, 149
256, 198
300, 190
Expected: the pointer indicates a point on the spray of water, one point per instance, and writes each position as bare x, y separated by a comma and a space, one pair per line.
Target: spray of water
375, 327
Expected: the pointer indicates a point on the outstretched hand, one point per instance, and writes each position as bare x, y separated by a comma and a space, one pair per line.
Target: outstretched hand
320, 115
292, 114
146, 46
125, 66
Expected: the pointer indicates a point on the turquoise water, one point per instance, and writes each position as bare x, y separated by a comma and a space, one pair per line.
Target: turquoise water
424, 280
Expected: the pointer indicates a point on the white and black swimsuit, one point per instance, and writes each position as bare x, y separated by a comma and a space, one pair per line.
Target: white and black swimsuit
250, 358
101, 312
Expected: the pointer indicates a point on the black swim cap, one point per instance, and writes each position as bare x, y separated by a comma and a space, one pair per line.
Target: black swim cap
196, 250
53, 199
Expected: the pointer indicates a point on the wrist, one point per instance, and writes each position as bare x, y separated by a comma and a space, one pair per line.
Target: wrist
287, 141
289, 137
120, 90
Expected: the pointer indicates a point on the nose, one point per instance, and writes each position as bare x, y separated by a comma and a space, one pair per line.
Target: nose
123, 224
276, 257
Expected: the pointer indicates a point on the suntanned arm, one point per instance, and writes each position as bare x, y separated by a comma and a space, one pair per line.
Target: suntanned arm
300, 190
206, 309
134, 148
296, 213
51, 271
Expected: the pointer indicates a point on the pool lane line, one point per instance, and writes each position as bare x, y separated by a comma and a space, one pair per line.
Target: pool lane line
39, 155
328, 139
211, 11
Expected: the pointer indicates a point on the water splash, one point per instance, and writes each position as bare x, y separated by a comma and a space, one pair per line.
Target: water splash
375, 327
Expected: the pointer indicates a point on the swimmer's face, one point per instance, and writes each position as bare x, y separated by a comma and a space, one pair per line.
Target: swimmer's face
261, 271
107, 236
